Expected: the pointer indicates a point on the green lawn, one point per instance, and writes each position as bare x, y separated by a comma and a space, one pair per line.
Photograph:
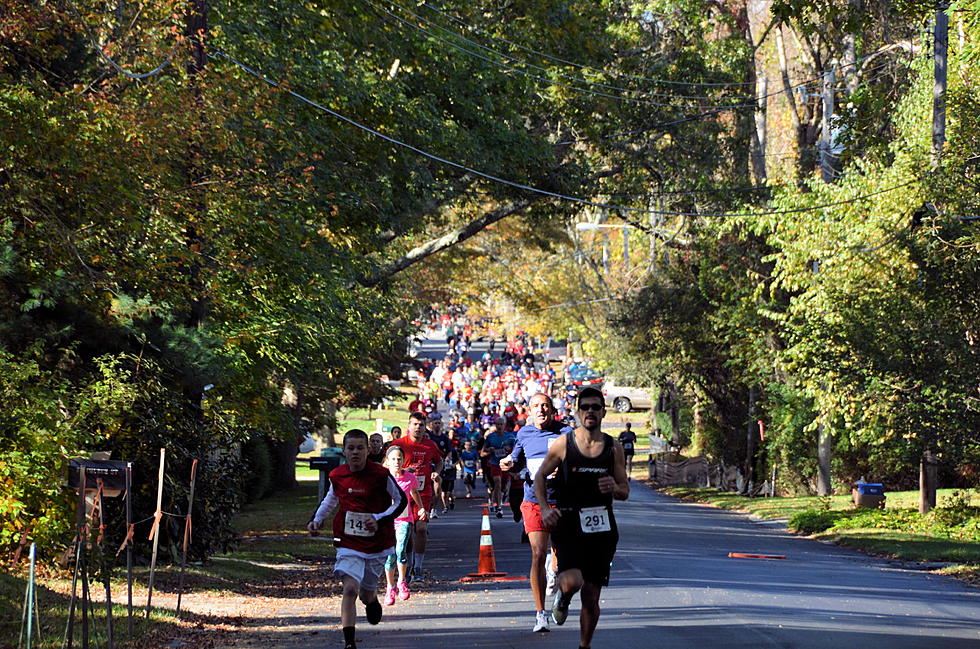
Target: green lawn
951, 533
786, 507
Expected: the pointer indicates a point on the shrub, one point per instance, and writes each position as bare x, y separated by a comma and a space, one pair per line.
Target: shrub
812, 521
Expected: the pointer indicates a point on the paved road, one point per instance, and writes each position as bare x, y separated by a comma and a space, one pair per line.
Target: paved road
673, 586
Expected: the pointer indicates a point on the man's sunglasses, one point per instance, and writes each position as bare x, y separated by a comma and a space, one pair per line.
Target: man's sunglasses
594, 407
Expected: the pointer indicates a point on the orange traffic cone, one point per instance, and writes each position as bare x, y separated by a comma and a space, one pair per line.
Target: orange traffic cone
487, 567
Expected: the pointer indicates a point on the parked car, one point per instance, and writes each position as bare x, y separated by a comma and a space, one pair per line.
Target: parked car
583, 377
623, 395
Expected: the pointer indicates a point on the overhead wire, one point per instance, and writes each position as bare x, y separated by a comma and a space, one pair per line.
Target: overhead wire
565, 197
752, 98
508, 67
624, 74
92, 41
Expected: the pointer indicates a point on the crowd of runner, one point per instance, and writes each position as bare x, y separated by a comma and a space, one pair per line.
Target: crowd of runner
505, 425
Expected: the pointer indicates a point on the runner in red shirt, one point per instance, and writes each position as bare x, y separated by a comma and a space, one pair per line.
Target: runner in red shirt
424, 459
367, 500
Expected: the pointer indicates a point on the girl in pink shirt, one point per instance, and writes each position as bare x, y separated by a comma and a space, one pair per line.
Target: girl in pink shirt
394, 460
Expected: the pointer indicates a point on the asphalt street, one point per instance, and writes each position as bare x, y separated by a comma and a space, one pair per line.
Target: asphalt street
674, 586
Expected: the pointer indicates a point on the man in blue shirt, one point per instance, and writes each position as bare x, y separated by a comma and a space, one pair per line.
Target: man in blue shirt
533, 442
497, 445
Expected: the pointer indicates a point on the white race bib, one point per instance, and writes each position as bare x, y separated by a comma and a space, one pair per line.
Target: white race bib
500, 453
594, 519
421, 480
534, 464
354, 523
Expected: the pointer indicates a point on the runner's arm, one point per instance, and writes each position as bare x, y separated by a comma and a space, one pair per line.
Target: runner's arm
622, 489
507, 462
417, 499
551, 461
398, 502
329, 503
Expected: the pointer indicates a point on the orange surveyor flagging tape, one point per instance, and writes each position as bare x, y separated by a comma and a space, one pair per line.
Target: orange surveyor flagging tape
743, 555
487, 568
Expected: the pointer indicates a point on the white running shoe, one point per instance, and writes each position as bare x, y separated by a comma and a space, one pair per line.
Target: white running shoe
434, 513
541, 621
552, 581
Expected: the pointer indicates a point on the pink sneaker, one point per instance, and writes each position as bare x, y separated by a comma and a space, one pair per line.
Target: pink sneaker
403, 592
390, 596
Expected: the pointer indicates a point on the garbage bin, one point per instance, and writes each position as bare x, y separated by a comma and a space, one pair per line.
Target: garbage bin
868, 494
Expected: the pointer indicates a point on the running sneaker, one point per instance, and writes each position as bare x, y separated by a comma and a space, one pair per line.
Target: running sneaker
541, 622
445, 510
434, 514
390, 596
452, 505
559, 608
403, 592
350, 645
372, 611
551, 582
500, 513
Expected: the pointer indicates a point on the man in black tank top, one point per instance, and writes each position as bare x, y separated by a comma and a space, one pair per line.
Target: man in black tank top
591, 473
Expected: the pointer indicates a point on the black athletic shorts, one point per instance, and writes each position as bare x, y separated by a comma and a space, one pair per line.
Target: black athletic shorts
593, 556
469, 479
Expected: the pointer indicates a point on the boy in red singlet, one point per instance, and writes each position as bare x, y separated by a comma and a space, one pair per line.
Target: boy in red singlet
367, 500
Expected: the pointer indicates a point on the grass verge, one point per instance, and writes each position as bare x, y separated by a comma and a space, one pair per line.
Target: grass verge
275, 558
949, 534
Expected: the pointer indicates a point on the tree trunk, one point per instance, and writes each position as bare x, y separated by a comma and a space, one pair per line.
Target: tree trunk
927, 482
327, 424
751, 442
675, 415
824, 454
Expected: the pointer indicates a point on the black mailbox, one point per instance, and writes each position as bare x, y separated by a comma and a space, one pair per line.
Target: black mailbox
111, 472
324, 463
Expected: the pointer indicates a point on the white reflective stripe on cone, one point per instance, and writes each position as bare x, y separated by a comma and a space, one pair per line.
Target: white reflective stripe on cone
486, 539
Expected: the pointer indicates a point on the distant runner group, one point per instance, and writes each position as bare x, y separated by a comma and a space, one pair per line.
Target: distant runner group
565, 480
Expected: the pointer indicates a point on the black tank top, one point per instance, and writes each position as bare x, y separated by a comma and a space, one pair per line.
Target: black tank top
579, 488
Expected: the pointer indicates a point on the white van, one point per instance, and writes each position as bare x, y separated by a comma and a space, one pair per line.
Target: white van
622, 395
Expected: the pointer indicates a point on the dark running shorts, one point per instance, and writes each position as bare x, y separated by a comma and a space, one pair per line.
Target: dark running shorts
592, 556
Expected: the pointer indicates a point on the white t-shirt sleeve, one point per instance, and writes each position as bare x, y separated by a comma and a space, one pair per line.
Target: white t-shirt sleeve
330, 502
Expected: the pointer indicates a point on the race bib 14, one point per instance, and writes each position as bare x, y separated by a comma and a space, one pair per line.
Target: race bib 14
355, 523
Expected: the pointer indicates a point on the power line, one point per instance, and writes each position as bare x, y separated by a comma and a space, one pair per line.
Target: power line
90, 37
752, 98
543, 192
581, 66
530, 75
624, 74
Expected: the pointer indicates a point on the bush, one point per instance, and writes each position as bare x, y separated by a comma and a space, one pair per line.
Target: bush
812, 521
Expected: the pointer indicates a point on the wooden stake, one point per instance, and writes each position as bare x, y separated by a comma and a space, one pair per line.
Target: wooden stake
129, 551
187, 535
156, 528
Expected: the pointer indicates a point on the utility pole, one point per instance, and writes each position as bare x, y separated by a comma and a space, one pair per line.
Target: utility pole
940, 47
826, 140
